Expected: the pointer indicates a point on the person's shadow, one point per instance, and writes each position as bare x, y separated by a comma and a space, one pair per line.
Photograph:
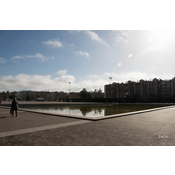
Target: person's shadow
2, 117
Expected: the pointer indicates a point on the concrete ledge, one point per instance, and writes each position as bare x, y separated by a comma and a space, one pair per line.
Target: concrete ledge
132, 113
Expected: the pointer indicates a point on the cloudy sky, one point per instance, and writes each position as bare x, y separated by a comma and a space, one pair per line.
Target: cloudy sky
50, 59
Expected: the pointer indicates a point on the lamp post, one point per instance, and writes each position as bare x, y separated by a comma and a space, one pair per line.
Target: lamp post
110, 79
25, 94
69, 87
110, 87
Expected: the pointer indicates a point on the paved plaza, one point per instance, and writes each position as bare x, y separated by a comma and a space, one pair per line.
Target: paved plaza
155, 128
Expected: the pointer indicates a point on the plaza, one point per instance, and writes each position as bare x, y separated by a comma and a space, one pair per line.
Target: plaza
149, 128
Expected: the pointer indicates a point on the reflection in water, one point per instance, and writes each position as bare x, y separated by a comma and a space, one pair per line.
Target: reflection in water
89, 110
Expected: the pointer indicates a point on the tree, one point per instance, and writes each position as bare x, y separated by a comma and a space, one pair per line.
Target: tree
8, 93
12, 95
27, 97
97, 93
4, 96
83, 93
86, 95
68, 97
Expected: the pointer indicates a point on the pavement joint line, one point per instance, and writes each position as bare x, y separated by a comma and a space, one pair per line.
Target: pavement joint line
41, 128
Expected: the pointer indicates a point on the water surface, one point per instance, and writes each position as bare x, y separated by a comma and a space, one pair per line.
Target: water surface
90, 110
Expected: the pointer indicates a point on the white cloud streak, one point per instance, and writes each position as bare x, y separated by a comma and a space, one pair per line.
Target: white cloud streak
17, 57
95, 37
62, 72
121, 36
53, 43
80, 53
37, 56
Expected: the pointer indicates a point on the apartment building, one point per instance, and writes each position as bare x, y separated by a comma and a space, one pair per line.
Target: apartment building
142, 88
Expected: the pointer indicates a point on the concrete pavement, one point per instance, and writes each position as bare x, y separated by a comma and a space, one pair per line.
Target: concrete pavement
155, 128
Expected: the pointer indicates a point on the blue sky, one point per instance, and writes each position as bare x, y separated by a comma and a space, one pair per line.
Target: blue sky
49, 59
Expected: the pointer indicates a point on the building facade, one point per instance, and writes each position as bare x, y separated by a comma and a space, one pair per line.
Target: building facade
143, 88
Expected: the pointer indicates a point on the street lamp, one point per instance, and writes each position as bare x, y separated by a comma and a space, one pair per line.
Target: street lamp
25, 94
69, 87
110, 79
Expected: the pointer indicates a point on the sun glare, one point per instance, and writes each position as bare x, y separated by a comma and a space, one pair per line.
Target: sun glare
162, 35
161, 38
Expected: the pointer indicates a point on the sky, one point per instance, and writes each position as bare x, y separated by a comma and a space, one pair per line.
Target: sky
49, 59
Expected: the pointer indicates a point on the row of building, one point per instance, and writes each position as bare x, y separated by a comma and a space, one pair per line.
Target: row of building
143, 88
28, 95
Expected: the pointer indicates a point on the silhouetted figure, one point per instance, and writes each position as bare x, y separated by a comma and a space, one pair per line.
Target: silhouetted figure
14, 106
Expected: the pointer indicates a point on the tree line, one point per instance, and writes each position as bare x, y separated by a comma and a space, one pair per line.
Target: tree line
84, 95
7, 95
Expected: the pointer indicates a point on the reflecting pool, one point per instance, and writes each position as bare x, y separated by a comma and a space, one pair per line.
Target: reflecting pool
91, 110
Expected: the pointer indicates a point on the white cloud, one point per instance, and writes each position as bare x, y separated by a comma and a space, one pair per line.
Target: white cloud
121, 36
35, 82
61, 83
17, 57
95, 37
125, 33
92, 35
65, 43
65, 79
40, 83
119, 64
80, 53
53, 43
62, 72
122, 32
90, 85
2, 60
38, 56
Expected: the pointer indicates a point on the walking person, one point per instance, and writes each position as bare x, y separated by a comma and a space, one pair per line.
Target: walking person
14, 106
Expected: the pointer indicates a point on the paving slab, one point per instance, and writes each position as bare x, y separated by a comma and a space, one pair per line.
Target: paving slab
155, 128
27, 120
